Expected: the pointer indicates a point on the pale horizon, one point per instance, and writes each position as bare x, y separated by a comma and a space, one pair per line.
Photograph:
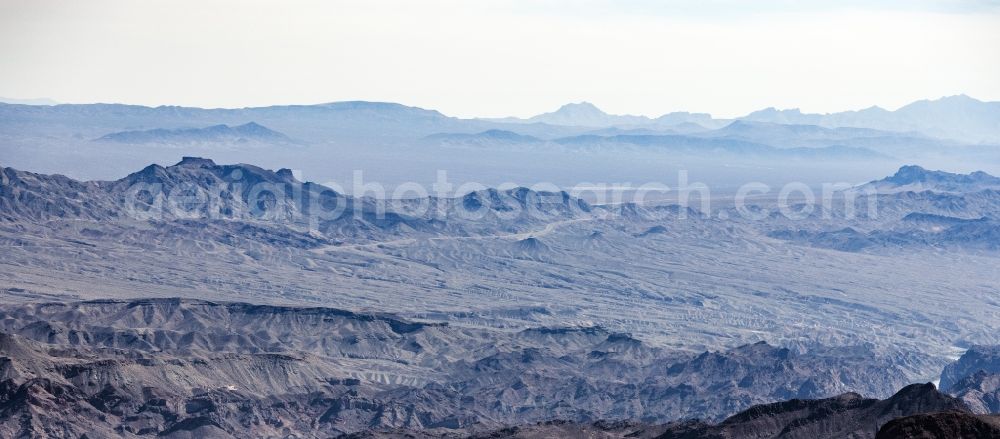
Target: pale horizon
490, 59
50, 102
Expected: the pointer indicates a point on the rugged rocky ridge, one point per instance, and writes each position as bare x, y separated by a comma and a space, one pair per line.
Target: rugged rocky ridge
975, 378
980, 391
198, 189
521, 294
969, 234
845, 416
917, 179
917, 410
170, 366
977, 358
506, 259
914, 208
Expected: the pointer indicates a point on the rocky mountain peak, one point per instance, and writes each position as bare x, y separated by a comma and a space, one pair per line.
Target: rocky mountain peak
196, 162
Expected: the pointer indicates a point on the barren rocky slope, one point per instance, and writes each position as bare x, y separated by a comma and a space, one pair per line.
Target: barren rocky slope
514, 258
918, 410
331, 314
155, 366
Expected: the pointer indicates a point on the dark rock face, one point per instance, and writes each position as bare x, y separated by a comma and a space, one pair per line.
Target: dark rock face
916, 411
845, 416
948, 425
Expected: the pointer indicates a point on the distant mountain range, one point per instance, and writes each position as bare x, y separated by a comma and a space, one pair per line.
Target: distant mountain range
30, 196
249, 132
307, 122
959, 117
485, 137
916, 208
585, 114
409, 143
916, 179
955, 117
812, 143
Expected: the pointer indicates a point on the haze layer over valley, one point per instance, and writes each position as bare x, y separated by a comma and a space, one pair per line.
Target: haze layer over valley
392, 144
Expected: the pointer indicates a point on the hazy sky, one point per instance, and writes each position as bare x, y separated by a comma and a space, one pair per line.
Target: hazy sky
490, 58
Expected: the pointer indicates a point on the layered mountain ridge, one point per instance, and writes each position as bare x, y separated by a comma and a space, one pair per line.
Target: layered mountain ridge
197, 188
248, 132
958, 117
916, 179
403, 144
173, 368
